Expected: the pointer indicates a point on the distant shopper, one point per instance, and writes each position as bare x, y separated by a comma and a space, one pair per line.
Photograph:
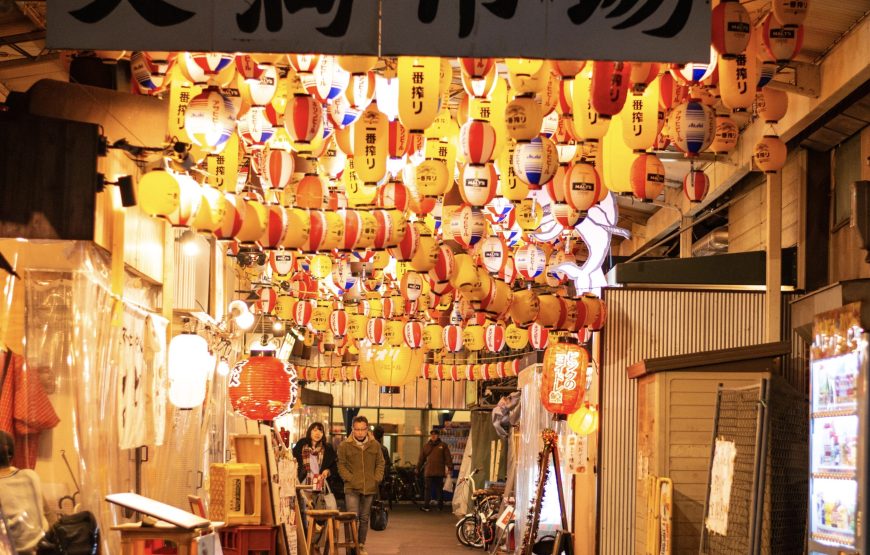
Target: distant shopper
378, 432
361, 465
21, 499
435, 463
317, 460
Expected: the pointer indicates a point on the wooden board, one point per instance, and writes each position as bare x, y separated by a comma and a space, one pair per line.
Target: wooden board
156, 509
252, 448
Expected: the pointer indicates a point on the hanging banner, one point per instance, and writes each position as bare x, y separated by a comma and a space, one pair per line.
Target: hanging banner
322, 26
654, 30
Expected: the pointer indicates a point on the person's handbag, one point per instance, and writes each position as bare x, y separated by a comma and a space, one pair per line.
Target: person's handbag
75, 534
379, 516
325, 499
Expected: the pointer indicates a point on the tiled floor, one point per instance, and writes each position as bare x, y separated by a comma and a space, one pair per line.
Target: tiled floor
411, 531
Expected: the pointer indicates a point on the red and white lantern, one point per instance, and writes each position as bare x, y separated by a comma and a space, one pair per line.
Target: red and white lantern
781, 43
467, 226
731, 28
338, 321
647, 177
495, 338
695, 185
412, 333
445, 265
453, 338
539, 337
302, 313
303, 119
477, 140
375, 329
479, 184
530, 261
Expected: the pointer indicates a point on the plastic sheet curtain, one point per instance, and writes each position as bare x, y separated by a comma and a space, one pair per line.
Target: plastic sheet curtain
533, 420
491, 453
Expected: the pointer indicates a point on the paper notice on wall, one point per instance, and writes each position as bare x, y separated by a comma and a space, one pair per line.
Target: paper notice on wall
721, 478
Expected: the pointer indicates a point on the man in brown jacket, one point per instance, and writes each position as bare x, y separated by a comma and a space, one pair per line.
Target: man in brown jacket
361, 466
435, 463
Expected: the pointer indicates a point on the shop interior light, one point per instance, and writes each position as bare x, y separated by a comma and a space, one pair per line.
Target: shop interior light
278, 326
241, 314
223, 367
189, 243
189, 361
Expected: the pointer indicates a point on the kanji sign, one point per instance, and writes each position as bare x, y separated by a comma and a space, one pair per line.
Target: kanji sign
637, 30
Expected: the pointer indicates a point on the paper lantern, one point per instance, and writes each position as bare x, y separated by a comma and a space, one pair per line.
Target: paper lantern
262, 387
174, 197
393, 333
494, 254
298, 229
412, 334
256, 88
431, 178
695, 185
302, 313
370, 135
445, 265
419, 91
584, 421
278, 167
338, 322
304, 118
535, 162
523, 118
276, 227
614, 160
582, 186
467, 226
725, 138
393, 194
433, 337
694, 72
472, 338
731, 28
477, 141
494, 338
210, 120
498, 299
189, 365
510, 186
539, 337
771, 104
565, 215
516, 337
303, 63
609, 87
781, 43
329, 79
594, 310
647, 177
770, 154
478, 184
310, 192
452, 338
790, 13
201, 67
525, 307
563, 379
642, 74
693, 126
738, 78
640, 122
588, 123
375, 329
411, 286
320, 320
408, 245
150, 69
391, 367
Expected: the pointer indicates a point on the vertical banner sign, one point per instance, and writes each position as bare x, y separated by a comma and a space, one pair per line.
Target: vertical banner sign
653, 30
323, 26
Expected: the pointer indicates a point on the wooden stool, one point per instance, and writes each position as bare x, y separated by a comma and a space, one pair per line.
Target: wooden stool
131, 534
327, 518
351, 532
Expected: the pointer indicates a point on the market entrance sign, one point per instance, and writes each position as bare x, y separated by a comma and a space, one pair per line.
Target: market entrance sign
633, 30
636, 30
322, 26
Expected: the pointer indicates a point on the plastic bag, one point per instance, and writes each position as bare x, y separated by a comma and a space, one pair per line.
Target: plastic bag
448, 483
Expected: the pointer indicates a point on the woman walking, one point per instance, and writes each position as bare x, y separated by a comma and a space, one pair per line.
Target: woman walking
317, 460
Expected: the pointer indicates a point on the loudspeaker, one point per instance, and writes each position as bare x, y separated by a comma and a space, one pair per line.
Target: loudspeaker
128, 191
861, 214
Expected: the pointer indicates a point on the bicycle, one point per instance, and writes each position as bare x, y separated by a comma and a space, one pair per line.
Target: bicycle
477, 527
406, 483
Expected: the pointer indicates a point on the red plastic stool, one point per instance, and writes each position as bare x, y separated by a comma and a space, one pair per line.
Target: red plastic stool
248, 540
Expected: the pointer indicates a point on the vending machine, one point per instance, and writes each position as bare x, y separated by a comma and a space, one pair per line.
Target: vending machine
838, 433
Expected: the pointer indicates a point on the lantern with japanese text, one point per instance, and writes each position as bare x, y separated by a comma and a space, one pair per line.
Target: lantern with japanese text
467, 226
477, 140
564, 378
790, 13
445, 265
303, 63
262, 387
525, 307
536, 162
695, 185
433, 337
539, 336
210, 120
479, 183
530, 261
338, 322
738, 79
419, 87
589, 124
640, 127
523, 118
647, 177
725, 138
731, 28
304, 118
431, 177
202, 67
276, 227
391, 367
412, 334
298, 228
770, 153
411, 286
150, 69
472, 338
375, 329
584, 421
610, 84
278, 166
771, 104
694, 72
516, 337
393, 333
452, 338
781, 43
302, 312
370, 134
693, 126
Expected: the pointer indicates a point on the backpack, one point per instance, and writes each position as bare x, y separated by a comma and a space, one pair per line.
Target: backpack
75, 534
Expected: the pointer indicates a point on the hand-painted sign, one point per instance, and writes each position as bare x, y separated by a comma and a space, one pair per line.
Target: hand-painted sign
322, 26
639, 30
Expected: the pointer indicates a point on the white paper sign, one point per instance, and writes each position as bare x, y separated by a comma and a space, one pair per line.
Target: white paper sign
652, 30
322, 26
721, 479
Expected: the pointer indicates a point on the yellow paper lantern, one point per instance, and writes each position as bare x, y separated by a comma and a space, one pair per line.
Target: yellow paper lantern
584, 421
175, 197
359, 193
548, 314
433, 337
510, 186
771, 104
356, 326
394, 333
616, 158
419, 91
255, 221
320, 318
516, 337
738, 77
431, 177
640, 124
527, 76
320, 266
725, 138
298, 228
370, 144
588, 124
523, 118
357, 64
770, 154
525, 307
473, 338
391, 367
529, 214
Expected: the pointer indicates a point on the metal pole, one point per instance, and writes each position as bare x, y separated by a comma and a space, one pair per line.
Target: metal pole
773, 258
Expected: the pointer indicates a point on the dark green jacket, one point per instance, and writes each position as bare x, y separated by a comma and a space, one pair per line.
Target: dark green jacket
361, 467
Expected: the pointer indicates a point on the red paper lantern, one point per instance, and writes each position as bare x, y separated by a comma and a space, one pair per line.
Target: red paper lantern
610, 82
412, 333
375, 329
731, 28
263, 386
539, 337
647, 177
781, 43
393, 194
304, 118
452, 335
338, 321
695, 185
302, 313
445, 265
477, 140
564, 377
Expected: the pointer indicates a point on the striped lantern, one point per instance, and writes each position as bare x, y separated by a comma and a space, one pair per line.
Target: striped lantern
610, 82
276, 227
342, 275
536, 162
200, 67
353, 228
452, 338
317, 232
412, 334
555, 188
445, 265
433, 337
766, 71
725, 138
343, 115
566, 215
257, 88
479, 184
278, 166
671, 92
695, 185
790, 13
495, 338
233, 217
530, 261
210, 120
303, 119
477, 68
302, 313
467, 226
150, 69
692, 126
497, 210
479, 87
647, 177
419, 88
494, 253
731, 28
582, 186
330, 80
770, 154
693, 72
393, 194
370, 135
781, 43
523, 118
477, 140
375, 330
303, 63
398, 140
771, 104
266, 299
383, 228
539, 337
310, 192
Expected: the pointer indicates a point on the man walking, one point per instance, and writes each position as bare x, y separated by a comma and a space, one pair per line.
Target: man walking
435, 463
361, 466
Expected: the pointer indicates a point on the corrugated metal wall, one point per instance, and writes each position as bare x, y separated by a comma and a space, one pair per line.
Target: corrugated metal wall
649, 323
433, 394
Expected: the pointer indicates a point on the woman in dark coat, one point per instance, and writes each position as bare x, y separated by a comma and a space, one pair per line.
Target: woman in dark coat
316, 459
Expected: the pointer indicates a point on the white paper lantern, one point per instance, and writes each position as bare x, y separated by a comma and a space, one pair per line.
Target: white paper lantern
188, 370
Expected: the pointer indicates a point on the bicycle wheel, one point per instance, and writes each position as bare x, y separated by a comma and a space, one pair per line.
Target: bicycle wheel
468, 531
